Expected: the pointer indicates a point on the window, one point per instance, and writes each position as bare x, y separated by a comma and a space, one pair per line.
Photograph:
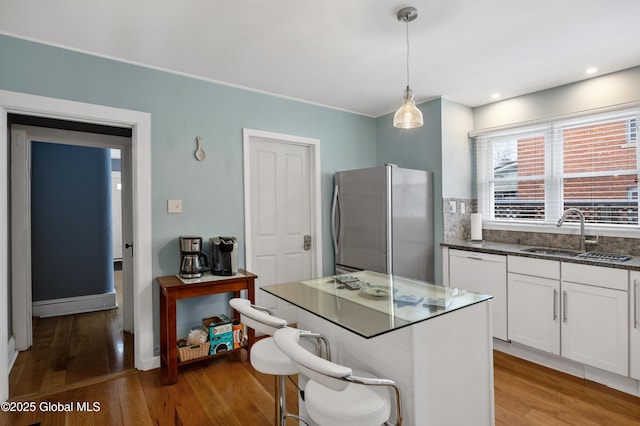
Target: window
632, 131
531, 175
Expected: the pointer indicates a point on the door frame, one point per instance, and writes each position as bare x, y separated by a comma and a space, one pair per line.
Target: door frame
140, 123
248, 137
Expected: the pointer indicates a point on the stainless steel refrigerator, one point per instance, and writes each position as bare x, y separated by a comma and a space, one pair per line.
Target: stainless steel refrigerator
382, 220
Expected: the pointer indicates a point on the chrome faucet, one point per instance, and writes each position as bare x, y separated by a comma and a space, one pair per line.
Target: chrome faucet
582, 234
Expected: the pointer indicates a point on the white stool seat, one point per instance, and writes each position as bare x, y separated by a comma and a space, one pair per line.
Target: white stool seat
268, 359
337, 395
356, 405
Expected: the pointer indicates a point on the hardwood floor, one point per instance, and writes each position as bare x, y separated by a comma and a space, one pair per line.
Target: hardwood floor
73, 349
227, 391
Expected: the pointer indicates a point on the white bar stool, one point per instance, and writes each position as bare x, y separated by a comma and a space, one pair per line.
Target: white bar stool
265, 355
334, 396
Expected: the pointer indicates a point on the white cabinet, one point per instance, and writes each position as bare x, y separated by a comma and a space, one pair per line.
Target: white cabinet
594, 326
634, 325
486, 274
534, 303
583, 316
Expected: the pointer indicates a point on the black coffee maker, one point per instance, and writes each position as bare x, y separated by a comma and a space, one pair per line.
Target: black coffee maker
224, 255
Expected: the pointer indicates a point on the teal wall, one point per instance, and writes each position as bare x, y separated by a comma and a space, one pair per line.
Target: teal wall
182, 108
418, 149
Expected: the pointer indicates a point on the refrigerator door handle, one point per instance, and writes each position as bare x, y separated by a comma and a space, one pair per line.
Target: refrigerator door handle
389, 213
334, 230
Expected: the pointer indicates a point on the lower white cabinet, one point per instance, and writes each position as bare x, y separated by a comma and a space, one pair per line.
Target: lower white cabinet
534, 312
594, 326
486, 274
634, 325
577, 311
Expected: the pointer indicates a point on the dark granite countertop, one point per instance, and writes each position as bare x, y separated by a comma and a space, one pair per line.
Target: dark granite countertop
632, 264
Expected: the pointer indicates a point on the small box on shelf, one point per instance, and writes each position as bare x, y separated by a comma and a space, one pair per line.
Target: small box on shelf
220, 333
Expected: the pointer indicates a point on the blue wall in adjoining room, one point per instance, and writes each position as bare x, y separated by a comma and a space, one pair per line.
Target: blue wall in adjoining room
71, 238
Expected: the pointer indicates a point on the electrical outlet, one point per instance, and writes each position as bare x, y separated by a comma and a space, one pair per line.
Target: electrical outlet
174, 206
452, 206
463, 207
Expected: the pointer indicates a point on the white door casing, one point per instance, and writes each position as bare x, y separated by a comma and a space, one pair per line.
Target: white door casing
282, 205
21, 312
140, 123
116, 214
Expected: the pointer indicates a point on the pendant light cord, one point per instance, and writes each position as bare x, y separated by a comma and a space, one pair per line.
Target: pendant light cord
407, 22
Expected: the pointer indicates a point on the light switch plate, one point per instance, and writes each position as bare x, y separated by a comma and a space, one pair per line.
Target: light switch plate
452, 206
174, 206
463, 207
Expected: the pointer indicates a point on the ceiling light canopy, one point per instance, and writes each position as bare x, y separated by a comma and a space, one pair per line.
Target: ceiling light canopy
408, 116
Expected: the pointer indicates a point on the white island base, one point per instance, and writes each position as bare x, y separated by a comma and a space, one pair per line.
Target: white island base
443, 365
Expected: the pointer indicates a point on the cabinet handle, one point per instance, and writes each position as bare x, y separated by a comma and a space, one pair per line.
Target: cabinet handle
564, 306
474, 258
555, 304
635, 304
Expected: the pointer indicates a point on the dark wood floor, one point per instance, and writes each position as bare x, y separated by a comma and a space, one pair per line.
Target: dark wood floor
73, 349
227, 391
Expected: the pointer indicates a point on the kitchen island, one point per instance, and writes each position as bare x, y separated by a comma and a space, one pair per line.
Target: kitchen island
435, 342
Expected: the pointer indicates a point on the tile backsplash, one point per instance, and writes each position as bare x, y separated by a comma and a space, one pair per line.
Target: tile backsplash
605, 244
456, 224
457, 227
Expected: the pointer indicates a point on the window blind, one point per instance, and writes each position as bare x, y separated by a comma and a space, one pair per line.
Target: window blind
534, 174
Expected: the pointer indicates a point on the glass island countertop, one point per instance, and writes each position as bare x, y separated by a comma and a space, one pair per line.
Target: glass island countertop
370, 303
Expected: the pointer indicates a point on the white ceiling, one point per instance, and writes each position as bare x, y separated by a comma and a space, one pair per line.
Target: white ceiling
348, 54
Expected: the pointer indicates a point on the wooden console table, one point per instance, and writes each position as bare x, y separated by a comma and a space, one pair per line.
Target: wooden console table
173, 288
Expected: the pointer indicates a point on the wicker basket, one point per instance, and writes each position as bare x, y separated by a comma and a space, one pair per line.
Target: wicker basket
185, 353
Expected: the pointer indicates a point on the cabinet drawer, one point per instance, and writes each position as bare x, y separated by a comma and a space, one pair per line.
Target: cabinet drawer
474, 255
616, 279
535, 267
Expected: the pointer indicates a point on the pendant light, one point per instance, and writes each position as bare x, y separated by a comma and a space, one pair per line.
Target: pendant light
408, 116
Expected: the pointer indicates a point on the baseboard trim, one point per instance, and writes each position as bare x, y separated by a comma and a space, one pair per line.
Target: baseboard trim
75, 305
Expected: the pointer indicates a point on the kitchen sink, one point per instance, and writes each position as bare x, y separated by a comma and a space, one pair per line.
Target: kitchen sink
590, 255
552, 251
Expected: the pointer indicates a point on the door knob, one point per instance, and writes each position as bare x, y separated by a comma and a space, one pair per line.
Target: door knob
307, 242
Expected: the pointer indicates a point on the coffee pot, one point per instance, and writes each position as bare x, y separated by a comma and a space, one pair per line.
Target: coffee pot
192, 260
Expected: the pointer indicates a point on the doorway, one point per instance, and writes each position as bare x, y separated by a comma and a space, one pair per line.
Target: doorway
140, 123
282, 211
64, 229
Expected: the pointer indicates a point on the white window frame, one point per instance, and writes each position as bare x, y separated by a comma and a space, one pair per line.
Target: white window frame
553, 178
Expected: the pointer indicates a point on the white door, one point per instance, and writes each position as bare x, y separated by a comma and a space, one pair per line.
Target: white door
127, 249
280, 212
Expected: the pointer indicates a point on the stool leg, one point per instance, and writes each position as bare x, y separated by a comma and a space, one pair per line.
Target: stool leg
281, 401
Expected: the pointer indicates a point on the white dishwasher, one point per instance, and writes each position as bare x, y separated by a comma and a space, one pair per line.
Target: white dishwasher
486, 274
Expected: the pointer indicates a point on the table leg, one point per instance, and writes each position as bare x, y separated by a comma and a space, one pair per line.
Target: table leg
172, 348
163, 336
